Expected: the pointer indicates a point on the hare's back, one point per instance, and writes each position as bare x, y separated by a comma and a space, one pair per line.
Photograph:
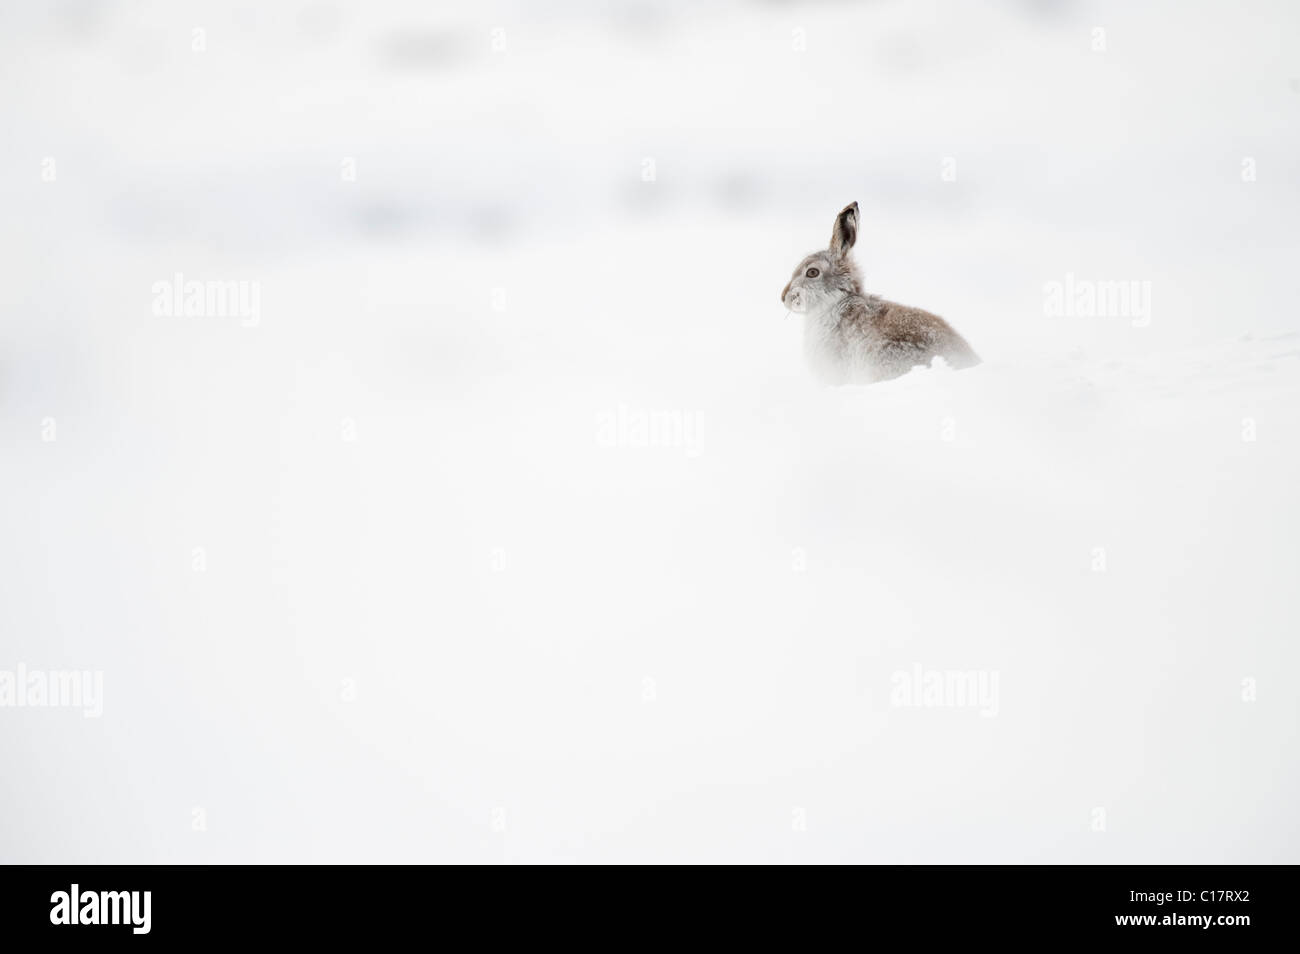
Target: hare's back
907, 329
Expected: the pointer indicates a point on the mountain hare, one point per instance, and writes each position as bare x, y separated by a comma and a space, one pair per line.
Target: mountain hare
853, 337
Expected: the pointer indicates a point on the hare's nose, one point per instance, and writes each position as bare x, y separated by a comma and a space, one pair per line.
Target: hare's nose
785, 291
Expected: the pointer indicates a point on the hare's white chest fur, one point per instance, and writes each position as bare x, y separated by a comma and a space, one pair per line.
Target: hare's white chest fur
825, 348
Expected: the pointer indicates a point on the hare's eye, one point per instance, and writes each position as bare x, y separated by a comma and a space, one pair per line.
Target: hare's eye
812, 273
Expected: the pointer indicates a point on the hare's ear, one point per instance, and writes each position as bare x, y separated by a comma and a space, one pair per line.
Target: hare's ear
845, 232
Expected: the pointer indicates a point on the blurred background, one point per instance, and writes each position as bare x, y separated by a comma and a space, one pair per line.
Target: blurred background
503, 522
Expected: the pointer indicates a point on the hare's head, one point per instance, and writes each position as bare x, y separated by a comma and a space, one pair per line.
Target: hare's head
823, 278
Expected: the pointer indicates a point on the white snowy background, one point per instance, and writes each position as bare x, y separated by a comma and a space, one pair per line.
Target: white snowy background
441, 618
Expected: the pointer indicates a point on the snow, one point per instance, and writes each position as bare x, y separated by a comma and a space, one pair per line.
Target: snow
527, 537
